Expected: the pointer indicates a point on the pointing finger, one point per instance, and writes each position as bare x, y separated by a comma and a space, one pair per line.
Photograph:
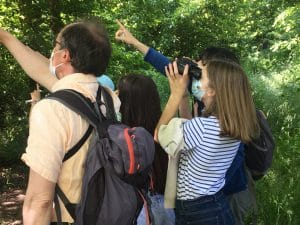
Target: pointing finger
120, 24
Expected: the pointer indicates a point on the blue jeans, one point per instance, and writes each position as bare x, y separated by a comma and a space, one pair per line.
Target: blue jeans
161, 216
206, 210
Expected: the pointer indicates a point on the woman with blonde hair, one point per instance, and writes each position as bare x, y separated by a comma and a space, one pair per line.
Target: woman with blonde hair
207, 144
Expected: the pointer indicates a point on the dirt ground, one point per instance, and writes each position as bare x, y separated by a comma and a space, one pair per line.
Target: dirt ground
12, 188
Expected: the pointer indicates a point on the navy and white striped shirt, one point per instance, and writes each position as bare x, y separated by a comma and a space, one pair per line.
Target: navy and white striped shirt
205, 159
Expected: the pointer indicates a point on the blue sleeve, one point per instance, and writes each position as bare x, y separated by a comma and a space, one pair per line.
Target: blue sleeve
235, 178
157, 60
236, 163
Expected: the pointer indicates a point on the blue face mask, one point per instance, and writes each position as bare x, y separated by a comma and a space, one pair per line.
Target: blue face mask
196, 91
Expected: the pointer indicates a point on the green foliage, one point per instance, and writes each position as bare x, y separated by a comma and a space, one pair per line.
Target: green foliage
278, 193
275, 77
265, 33
13, 92
277, 93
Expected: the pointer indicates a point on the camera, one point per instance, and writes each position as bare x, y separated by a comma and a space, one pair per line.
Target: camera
194, 70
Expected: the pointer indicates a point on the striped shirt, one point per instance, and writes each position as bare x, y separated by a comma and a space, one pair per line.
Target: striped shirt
205, 158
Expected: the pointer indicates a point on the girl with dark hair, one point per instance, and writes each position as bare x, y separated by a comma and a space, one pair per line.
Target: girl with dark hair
140, 101
140, 106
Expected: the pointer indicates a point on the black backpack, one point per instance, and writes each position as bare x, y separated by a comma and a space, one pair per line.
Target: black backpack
117, 167
259, 152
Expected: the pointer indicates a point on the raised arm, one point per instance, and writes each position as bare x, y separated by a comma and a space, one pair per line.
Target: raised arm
184, 107
125, 36
33, 63
155, 58
178, 84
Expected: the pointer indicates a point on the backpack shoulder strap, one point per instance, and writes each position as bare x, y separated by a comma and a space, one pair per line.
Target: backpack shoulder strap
81, 105
78, 103
265, 141
108, 103
84, 107
78, 145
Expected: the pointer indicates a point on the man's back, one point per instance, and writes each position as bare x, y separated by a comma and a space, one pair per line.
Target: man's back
82, 50
62, 129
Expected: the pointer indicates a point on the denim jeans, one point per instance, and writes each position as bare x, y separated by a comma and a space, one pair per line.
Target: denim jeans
161, 216
206, 210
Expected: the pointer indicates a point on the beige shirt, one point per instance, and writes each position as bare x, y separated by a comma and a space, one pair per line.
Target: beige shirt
54, 129
170, 137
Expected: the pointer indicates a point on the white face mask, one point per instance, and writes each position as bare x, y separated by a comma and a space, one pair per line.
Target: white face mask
196, 91
119, 116
52, 68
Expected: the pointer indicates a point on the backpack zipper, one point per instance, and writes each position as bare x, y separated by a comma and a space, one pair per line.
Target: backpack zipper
137, 153
130, 151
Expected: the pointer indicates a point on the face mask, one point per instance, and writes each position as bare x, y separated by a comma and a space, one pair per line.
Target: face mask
196, 91
52, 68
119, 116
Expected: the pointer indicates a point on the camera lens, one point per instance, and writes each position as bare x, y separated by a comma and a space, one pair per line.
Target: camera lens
194, 70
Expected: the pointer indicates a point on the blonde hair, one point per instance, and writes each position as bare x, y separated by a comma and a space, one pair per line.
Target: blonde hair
232, 103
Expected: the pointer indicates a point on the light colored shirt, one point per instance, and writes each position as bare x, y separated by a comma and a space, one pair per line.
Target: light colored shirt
171, 140
204, 157
53, 130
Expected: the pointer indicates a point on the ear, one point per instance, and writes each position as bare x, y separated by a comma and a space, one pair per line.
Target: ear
66, 55
200, 64
210, 92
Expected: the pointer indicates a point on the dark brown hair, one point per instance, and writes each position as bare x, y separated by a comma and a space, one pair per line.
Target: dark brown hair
140, 102
140, 106
89, 46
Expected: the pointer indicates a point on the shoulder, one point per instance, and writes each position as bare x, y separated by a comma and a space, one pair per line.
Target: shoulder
198, 129
203, 123
46, 106
173, 130
52, 112
209, 121
170, 136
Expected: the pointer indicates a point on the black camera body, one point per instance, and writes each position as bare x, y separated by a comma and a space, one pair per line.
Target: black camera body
194, 71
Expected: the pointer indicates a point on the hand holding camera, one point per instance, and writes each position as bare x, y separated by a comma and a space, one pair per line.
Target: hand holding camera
177, 81
194, 71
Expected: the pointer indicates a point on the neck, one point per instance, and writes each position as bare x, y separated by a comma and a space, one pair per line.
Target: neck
67, 70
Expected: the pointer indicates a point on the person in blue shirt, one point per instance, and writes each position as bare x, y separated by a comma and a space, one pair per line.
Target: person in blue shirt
236, 188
